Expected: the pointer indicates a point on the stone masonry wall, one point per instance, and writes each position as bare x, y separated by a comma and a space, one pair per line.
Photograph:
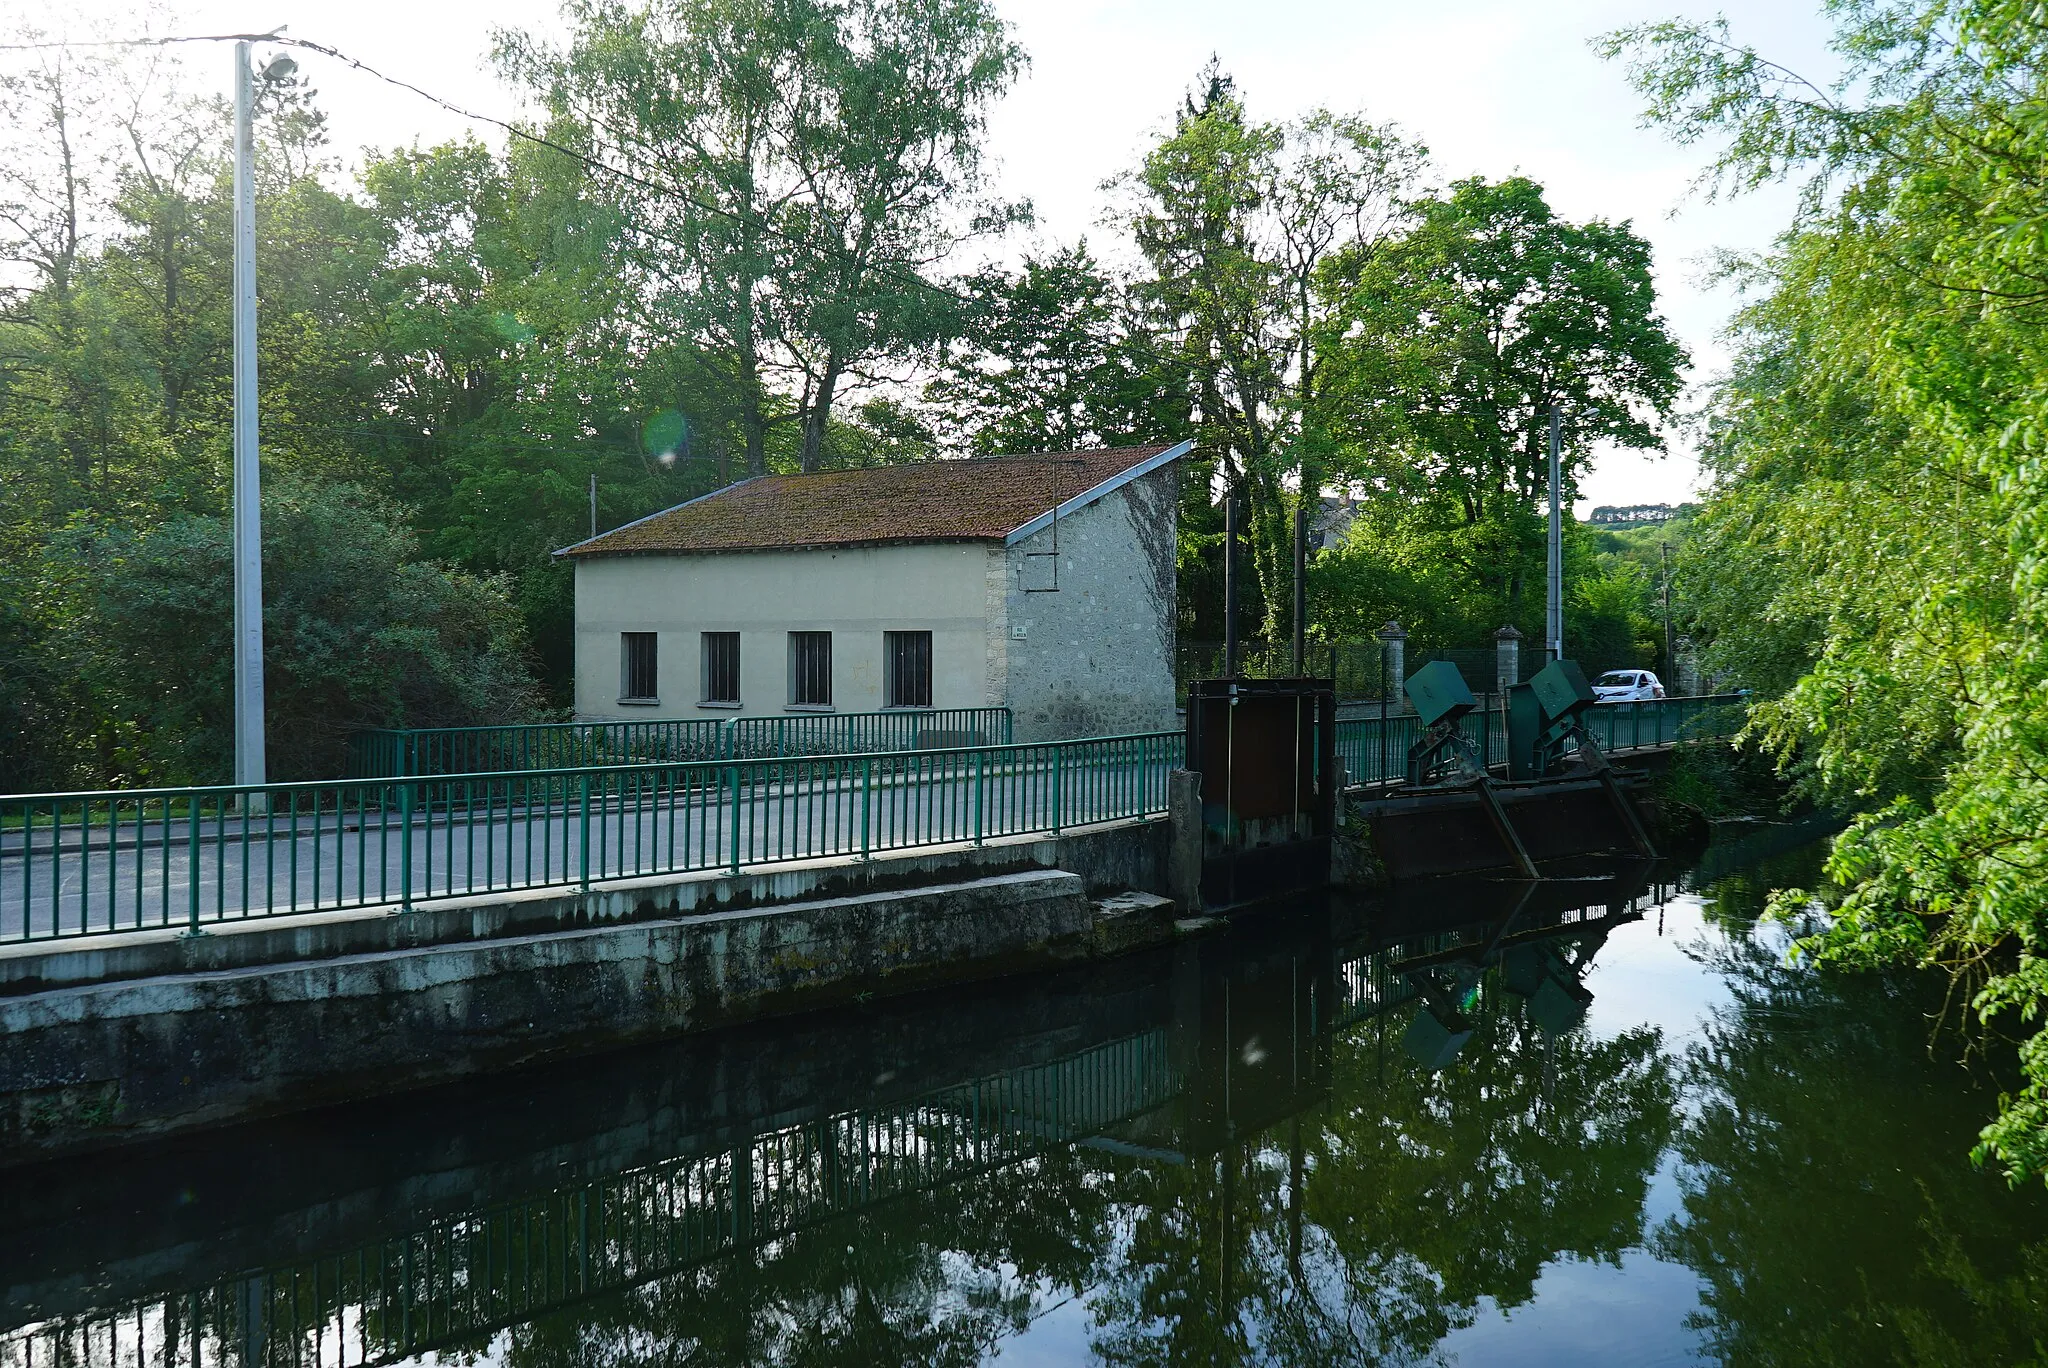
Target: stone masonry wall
1095, 656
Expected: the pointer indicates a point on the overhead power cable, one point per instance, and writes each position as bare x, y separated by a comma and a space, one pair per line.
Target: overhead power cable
633, 178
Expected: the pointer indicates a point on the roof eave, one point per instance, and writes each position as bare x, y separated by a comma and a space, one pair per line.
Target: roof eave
994, 537
1100, 491
578, 547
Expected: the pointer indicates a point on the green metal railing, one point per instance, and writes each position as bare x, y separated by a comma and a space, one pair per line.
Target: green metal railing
1666, 721
85, 864
394, 754
1375, 750
546, 745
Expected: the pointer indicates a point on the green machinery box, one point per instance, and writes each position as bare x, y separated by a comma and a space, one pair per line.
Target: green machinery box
1438, 691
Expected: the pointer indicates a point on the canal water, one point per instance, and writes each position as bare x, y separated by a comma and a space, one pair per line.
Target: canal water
1601, 1121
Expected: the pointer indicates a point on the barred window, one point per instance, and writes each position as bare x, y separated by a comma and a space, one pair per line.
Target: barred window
907, 669
810, 669
721, 667
636, 666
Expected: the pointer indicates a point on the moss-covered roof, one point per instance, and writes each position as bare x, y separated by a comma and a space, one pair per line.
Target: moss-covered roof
955, 500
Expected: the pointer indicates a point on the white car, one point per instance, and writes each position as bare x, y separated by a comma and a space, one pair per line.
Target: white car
1627, 686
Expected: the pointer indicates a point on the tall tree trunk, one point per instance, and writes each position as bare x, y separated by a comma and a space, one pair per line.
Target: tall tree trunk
753, 420
818, 413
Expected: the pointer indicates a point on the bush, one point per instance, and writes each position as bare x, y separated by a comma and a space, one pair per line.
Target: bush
360, 630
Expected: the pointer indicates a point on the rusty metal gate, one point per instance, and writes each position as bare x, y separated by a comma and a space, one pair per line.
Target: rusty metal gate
1267, 753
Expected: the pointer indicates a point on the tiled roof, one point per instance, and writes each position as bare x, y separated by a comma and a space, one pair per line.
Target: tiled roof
961, 500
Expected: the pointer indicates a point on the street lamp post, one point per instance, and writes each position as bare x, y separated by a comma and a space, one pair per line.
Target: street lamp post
250, 767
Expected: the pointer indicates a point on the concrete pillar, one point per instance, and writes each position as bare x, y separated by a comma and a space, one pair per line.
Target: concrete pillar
1184, 840
1507, 659
1685, 670
1394, 642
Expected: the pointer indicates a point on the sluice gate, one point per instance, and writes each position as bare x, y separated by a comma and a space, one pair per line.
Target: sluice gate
1560, 796
1266, 751
1267, 757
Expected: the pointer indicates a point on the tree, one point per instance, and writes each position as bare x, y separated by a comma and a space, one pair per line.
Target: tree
1054, 362
1235, 220
1448, 347
360, 630
796, 169
53, 167
1873, 553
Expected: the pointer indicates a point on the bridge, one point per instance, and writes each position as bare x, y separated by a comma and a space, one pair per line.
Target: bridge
183, 859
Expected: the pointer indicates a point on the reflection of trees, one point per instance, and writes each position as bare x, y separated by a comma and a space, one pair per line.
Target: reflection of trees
1738, 896
1424, 1192
1421, 1194
933, 1277
1826, 1203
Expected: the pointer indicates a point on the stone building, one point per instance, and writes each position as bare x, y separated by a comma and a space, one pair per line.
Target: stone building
1042, 583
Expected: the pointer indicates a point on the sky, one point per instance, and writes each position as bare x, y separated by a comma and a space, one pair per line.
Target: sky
1492, 87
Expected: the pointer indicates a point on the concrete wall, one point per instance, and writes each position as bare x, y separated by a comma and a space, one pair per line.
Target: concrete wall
1095, 657
856, 594
143, 1055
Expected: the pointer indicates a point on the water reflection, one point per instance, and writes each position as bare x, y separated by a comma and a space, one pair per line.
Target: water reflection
1337, 1136
1826, 1202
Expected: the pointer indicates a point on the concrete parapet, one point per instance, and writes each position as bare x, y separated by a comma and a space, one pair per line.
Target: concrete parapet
1108, 858
178, 1213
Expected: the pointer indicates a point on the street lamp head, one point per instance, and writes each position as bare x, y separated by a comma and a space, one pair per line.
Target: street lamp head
279, 67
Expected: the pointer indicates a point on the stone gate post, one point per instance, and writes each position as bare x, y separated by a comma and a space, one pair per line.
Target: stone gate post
1507, 659
1394, 648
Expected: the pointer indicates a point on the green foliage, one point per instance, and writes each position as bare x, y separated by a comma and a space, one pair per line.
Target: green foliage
1417, 562
1446, 349
1056, 361
360, 630
468, 337
1449, 348
1235, 220
1872, 560
809, 161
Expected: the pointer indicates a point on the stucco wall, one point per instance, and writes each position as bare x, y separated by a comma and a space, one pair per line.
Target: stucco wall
856, 595
1095, 658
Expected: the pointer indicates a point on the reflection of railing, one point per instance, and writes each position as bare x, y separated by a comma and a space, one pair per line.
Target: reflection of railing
97, 863
1375, 750
578, 745
454, 1282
